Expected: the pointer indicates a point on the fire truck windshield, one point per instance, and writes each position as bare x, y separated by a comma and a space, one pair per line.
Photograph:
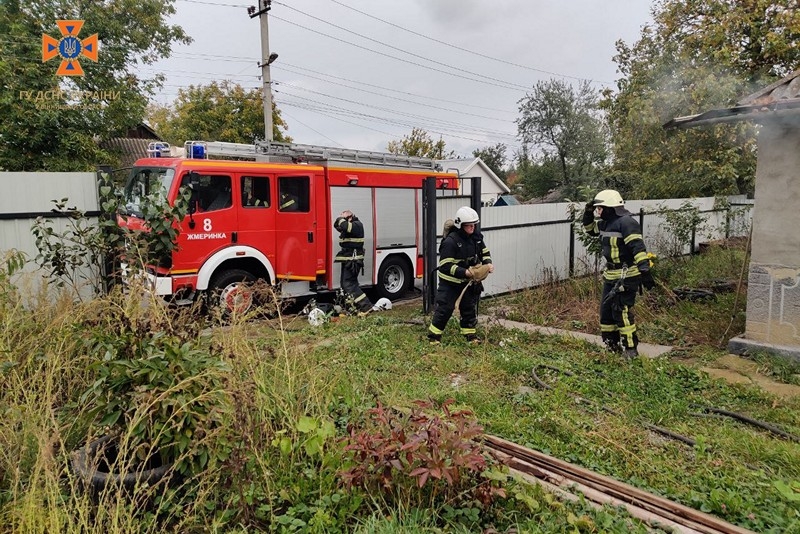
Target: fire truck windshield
146, 184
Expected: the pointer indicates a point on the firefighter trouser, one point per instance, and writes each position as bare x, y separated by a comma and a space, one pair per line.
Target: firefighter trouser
617, 325
349, 283
446, 296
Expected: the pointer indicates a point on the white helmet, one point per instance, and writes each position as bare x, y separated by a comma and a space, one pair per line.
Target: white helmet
383, 304
466, 215
609, 199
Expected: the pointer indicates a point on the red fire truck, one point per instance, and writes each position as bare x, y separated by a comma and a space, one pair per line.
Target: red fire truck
272, 218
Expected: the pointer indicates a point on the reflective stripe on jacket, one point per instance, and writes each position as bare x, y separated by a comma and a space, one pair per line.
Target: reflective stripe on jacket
351, 239
459, 251
622, 244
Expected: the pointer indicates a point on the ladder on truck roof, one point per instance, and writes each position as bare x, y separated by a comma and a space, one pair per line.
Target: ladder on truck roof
311, 153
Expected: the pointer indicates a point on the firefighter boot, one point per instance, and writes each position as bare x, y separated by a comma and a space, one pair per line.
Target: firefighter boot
611, 339
434, 339
630, 350
472, 339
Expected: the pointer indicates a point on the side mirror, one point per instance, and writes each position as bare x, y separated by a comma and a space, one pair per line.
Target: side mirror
194, 180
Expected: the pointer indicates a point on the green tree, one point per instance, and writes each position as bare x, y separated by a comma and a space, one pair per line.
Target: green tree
53, 122
697, 55
563, 122
495, 157
222, 111
420, 144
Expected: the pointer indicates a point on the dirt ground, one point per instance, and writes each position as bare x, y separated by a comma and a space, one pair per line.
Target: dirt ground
738, 370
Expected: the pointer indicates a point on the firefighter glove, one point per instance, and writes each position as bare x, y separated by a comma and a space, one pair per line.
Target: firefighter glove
589, 206
647, 280
479, 272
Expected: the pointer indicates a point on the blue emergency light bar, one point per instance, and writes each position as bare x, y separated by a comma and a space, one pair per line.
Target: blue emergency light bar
158, 149
195, 149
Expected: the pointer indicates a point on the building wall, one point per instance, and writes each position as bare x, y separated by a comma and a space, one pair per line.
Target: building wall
773, 294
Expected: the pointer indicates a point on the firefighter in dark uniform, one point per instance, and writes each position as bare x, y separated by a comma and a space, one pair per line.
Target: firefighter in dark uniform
351, 256
627, 269
460, 249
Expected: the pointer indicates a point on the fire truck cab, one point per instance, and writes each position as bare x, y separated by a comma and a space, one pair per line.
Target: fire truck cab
272, 220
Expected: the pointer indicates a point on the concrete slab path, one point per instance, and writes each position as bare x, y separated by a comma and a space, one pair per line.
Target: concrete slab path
645, 349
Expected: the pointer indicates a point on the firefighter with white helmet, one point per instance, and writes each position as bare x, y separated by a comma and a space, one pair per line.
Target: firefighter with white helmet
627, 268
461, 253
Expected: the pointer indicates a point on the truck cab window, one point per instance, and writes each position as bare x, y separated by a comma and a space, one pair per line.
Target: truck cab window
255, 192
144, 183
293, 193
210, 193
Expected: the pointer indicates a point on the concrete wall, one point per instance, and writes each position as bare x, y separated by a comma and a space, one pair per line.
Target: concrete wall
773, 294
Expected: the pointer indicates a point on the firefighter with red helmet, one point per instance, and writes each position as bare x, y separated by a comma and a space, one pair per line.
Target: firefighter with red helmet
627, 268
351, 256
460, 253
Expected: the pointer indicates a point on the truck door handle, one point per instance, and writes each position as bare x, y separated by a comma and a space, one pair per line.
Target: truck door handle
310, 237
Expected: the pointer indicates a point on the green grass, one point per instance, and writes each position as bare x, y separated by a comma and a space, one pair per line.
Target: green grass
287, 378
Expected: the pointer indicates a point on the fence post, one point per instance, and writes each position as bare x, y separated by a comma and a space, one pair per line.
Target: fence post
728, 222
428, 243
694, 231
641, 220
572, 246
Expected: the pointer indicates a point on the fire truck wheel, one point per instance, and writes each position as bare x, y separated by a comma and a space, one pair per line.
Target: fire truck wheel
394, 278
229, 292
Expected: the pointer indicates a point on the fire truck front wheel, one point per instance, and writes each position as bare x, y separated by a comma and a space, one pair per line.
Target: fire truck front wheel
231, 292
394, 277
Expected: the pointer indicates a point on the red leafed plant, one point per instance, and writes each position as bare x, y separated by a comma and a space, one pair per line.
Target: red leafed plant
420, 455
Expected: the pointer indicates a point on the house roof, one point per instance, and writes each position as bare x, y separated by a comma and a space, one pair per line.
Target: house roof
778, 99
466, 166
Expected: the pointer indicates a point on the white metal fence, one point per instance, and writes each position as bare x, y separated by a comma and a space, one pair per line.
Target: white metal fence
534, 243
530, 244
29, 195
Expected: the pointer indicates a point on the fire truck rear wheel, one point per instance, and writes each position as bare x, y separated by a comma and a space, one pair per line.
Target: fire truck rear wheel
229, 293
394, 278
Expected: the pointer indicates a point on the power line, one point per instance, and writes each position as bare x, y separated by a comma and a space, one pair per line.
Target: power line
404, 99
284, 64
402, 113
446, 65
513, 87
467, 50
295, 119
320, 106
327, 113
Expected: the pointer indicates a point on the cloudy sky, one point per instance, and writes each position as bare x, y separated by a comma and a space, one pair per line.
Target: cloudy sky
359, 73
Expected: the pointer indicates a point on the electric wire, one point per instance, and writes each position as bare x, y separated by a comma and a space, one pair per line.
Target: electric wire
467, 50
392, 47
472, 105
403, 113
400, 99
448, 129
510, 87
327, 111
298, 121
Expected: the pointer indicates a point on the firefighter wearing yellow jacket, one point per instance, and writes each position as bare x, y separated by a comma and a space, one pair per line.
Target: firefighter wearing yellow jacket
460, 251
351, 256
627, 268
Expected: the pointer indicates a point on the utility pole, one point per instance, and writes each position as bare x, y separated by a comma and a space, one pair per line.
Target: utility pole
266, 59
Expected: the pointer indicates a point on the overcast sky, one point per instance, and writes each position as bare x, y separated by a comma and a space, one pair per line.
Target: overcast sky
359, 73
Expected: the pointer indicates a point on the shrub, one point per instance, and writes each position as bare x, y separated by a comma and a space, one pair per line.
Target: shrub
421, 459
162, 392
